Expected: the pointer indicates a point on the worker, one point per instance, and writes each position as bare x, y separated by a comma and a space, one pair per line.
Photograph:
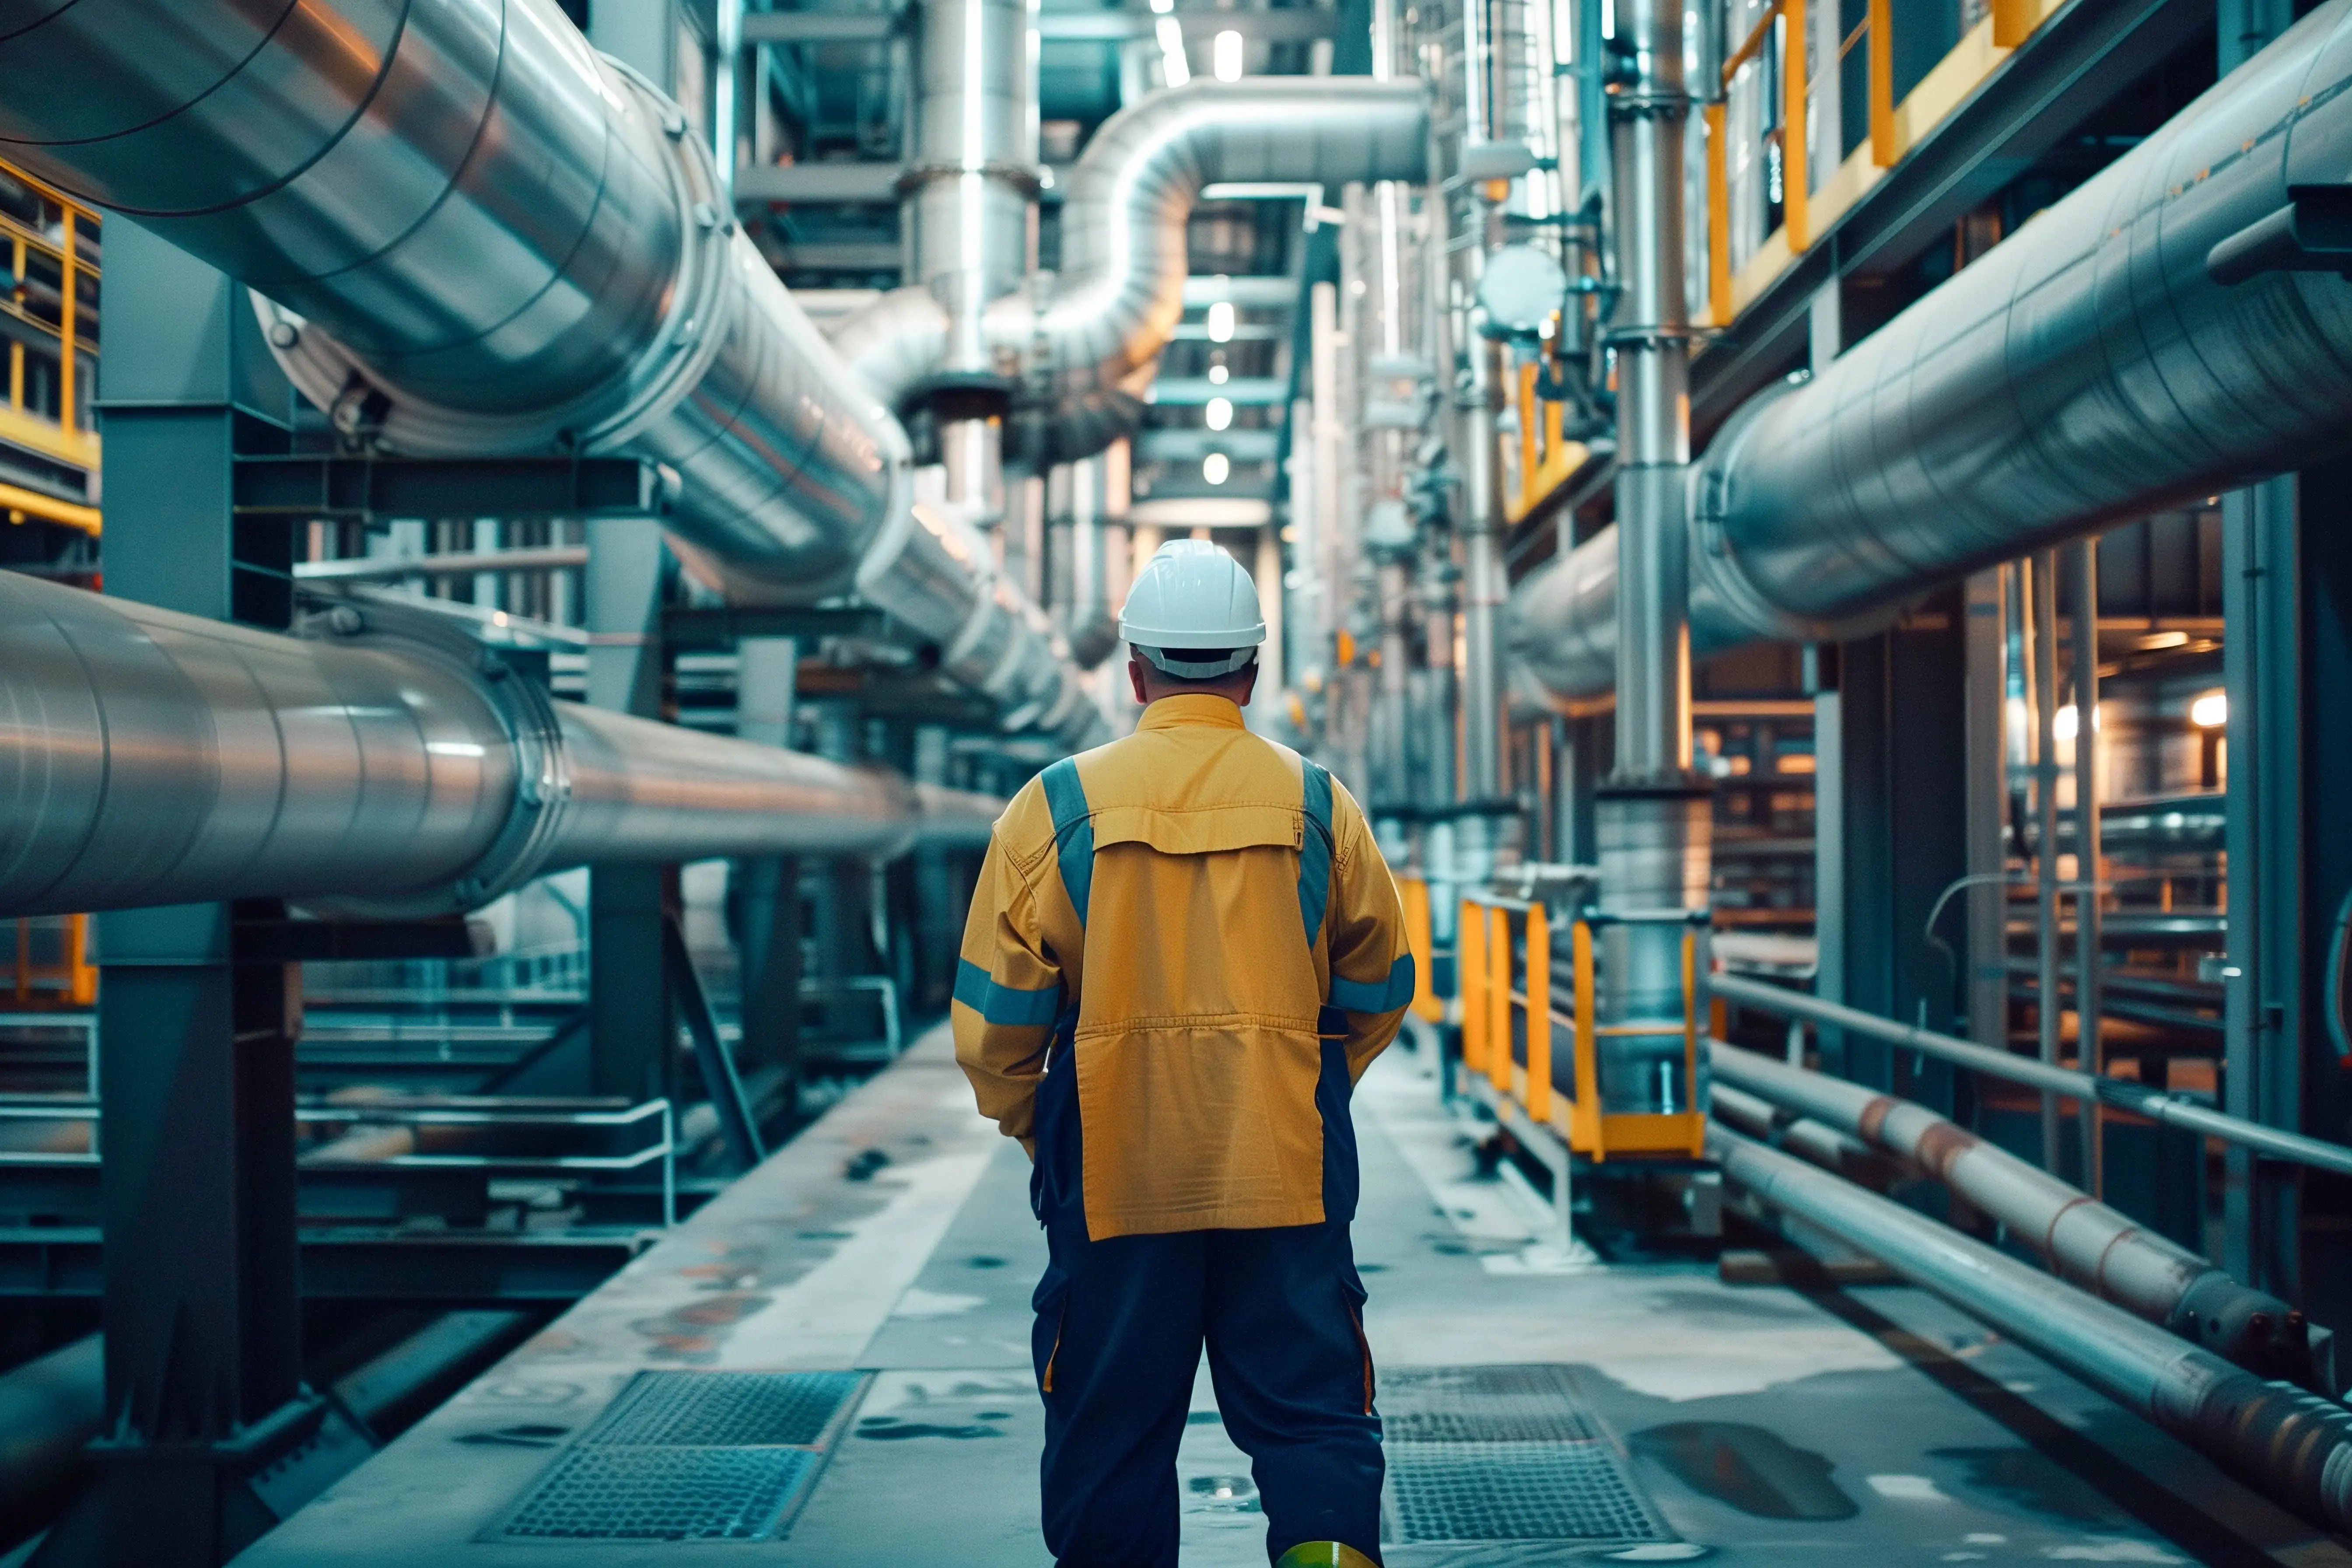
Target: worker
1183, 952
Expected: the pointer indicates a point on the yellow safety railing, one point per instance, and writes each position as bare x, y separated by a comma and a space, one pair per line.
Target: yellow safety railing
1547, 455
52, 962
1420, 940
1896, 128
44, 258
1509, 1023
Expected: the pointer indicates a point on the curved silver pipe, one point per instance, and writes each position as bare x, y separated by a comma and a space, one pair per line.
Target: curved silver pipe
2091, 368
148, 757
1120, 291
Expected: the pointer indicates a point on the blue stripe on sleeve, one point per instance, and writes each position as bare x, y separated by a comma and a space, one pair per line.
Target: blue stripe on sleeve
1376, 997
1004, 1004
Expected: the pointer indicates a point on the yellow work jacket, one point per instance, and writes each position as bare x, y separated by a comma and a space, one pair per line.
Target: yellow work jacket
1183, 951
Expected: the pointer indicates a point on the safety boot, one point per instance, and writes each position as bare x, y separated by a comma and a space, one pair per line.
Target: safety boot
1324, 1554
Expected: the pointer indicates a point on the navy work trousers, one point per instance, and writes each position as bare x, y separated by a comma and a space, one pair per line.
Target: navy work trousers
1120, 1324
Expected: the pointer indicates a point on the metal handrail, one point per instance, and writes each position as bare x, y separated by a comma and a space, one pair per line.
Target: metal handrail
2157, 1105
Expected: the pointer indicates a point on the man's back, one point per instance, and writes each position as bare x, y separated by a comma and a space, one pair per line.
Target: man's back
1215, 908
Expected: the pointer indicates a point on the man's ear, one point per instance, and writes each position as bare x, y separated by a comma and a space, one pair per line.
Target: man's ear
1249, 684
1135, 678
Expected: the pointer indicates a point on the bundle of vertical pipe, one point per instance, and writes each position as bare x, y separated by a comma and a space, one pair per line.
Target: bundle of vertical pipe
2182, 1344
2157, 336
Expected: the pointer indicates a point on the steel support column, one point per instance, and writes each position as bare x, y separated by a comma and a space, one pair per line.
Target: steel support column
1984, 655
629, 1027
2264, 995
202, 1311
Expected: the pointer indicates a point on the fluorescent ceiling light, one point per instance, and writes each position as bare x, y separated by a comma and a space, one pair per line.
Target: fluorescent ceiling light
1228, 55
1178, 69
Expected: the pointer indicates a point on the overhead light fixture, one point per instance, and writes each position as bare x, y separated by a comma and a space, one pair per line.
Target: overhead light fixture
1221, 412
2210, 711
1217, 374
2067, 723
1174, 66
1221, 322
1228, 55
1215, 466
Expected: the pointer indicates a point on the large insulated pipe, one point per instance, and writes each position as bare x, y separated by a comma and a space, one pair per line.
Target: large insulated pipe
2083, 1241
2160, 334
1653, 819
973, 178
479, 236
1120, 291
482, 237
2293, 1447
148, 757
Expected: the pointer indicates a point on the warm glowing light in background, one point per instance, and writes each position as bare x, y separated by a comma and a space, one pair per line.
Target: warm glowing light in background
2210, 711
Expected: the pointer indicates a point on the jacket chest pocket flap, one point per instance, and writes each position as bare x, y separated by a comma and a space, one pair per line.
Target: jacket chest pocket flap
1202, 830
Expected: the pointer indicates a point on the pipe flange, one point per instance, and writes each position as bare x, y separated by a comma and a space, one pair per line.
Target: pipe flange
542, 774
1025, 178
1715, 567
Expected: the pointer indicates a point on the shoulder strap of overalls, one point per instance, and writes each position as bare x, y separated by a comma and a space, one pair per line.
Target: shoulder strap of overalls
1313, 847
1074, 831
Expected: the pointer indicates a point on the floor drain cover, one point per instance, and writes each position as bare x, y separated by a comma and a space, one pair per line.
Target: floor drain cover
1481, 1405
663, 1494
1505, 1454
692, 1455
1515, 1491
726, 1409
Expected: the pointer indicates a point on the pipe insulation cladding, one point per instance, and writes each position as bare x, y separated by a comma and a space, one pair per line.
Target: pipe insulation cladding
382, 761
2293, 1447
475, 236
2083, 1241
2089, 368
1120, 291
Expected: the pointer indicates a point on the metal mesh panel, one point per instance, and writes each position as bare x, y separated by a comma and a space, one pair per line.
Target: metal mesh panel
1515, 1491
691, 1455
725, 1409
663, 1494
1481, 1405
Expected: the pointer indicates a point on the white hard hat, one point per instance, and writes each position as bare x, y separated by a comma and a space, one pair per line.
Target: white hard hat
1191, 594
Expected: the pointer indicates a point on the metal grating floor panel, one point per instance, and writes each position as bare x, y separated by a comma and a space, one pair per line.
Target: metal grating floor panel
692, 1455
726, 1409
1515, 1491
1481, 1405
663, 1494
